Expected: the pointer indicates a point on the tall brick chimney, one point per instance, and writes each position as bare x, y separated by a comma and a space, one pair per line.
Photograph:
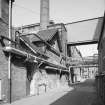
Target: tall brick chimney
44, 14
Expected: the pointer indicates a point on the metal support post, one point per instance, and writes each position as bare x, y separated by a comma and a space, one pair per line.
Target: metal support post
69, 77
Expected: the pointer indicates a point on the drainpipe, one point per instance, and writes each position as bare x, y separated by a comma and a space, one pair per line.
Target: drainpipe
9, 59
44, 14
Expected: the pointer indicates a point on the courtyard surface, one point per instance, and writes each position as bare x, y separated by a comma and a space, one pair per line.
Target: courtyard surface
78, 94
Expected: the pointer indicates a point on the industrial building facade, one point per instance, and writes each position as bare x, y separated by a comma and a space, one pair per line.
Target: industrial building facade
38, 58
100, 78
35, 64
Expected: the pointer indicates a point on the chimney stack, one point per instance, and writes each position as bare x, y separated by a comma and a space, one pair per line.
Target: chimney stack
44, 14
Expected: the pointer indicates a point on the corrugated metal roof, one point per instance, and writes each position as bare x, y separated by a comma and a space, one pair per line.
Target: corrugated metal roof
46, 35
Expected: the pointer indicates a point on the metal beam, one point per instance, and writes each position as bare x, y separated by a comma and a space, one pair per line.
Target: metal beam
82, 21
77, 66
82, 42
54, 68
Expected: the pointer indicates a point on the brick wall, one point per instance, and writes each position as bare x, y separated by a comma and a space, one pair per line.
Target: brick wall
5, 11
19, 79
3, 75
3, 58
51, 78
19, 74
101, 57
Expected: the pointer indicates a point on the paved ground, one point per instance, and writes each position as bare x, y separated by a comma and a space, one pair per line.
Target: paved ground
83, 94
80, 94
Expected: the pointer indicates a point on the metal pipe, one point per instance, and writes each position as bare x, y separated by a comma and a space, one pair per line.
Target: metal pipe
23, 53
84, 66
9, 59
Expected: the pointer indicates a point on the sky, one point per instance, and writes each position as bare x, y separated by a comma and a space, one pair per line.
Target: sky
28, 11
88, 50
61, 11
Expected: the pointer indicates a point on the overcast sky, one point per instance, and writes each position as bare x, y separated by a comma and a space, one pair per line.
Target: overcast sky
28, 12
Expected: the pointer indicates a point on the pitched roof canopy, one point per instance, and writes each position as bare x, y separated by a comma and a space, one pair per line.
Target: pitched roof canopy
46, 35
34, 48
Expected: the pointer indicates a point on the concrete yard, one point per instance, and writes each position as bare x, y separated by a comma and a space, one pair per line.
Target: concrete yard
78, 94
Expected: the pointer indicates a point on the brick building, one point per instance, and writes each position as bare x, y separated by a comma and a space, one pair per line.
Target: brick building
101, 70
52, 43
38, 60
3, 59
18, 72
38, 57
